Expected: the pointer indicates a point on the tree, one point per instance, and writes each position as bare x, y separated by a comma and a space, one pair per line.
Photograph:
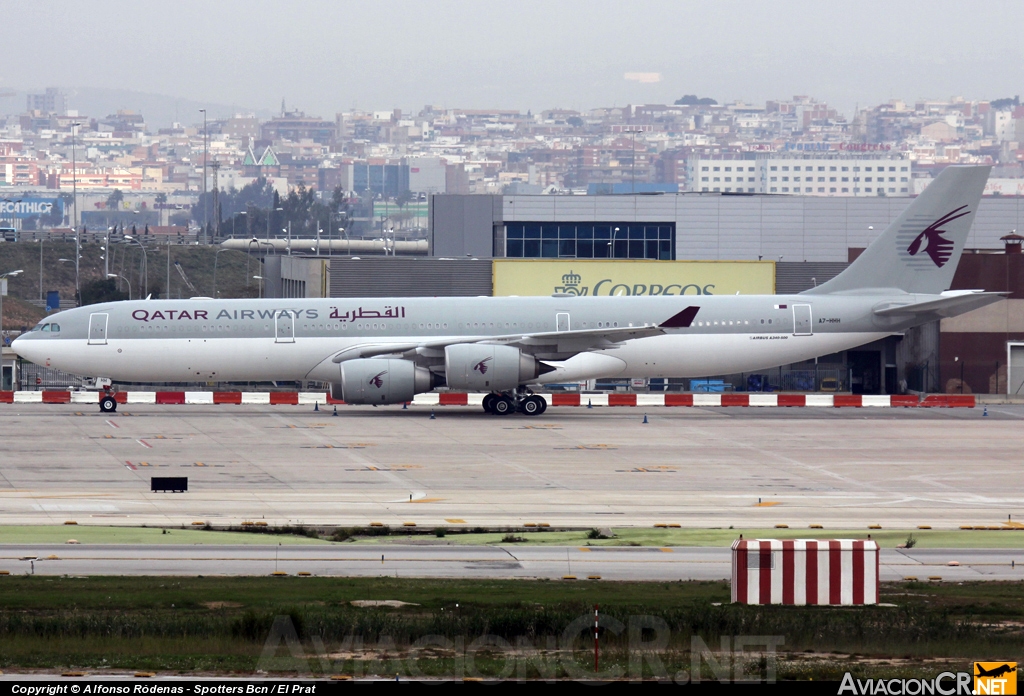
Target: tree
1005, 103
114, 200
102, 290
575, 121
404, 198
694, 100
161, 197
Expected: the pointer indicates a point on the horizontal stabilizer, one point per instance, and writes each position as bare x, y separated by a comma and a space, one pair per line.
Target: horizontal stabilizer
950, 305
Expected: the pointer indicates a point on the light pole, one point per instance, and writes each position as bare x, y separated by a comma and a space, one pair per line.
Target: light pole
40, 240
248, 255
74, 203
259, 278
106, 252
216, 256
611, 244
145, 264
115, 275
74, 178
270, 214
3, 284
206, 214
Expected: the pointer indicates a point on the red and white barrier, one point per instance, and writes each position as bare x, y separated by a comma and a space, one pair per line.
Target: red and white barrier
805, 571
282, 398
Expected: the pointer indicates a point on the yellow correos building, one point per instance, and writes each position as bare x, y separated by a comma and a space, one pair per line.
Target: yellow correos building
611, 278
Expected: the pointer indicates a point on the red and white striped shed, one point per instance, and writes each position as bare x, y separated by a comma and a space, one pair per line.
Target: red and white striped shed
805, 571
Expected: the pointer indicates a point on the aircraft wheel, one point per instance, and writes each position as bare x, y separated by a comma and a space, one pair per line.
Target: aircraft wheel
532, 406
489, 402
502, 406
543, 405
108, 404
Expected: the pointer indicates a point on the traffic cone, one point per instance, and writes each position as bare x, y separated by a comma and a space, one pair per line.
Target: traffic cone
316, 405
985, 413
645, 419
589, 404
431, 414
335, 411
405, 406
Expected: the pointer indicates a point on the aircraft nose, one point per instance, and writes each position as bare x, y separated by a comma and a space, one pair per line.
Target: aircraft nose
22, 347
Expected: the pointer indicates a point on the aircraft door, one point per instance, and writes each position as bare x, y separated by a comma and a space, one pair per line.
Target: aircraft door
802, 320
562, 321
285, 327
98, 329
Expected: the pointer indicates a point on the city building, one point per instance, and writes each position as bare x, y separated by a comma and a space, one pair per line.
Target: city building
803, 174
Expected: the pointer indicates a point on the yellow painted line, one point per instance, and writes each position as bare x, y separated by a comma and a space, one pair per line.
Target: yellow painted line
665, 549
454, 520
583, 548
767, 503
425, 500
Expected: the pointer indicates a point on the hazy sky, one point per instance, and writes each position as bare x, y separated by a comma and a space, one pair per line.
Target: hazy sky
329, 56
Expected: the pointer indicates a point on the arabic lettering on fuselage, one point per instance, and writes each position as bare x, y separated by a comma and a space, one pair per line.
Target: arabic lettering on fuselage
144, 315
388, 312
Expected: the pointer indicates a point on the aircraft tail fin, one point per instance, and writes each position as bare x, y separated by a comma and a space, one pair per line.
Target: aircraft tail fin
920, 250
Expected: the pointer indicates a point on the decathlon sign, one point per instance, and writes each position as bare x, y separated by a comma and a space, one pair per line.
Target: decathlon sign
29, 207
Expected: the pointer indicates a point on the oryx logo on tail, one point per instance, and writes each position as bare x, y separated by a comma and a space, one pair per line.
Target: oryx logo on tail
376, 379
938, 248
482, 366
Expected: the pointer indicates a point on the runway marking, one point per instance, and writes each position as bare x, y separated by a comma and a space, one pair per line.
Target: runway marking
535, 427
355, 445
112, 424
144, 464
426, 500
396, 467
589, 447
198, 464
583, 548
145, 444
648, 470
767, 503
454, 520
129, 465
665, 549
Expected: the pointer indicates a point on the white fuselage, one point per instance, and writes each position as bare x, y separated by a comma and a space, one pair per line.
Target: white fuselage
261, 340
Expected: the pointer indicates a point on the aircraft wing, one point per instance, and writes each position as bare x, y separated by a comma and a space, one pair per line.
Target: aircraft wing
546, 345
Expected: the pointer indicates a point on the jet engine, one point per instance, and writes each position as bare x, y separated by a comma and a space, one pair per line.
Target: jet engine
380, 381
482, 367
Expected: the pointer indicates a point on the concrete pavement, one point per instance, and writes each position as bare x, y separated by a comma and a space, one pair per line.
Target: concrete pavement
468, 562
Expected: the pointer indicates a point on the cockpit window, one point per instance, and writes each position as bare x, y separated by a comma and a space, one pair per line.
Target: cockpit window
38, 327
55, 327
46, 327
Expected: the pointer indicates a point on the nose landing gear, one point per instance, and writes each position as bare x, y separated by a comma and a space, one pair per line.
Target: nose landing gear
108, 404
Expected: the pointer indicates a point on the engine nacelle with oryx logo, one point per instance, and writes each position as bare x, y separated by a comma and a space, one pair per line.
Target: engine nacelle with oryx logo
483, 367
381, 381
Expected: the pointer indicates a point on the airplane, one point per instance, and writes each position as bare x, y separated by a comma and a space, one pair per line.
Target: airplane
995, 671
384, 351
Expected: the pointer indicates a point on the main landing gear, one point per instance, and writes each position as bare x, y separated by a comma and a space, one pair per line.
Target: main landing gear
506, 403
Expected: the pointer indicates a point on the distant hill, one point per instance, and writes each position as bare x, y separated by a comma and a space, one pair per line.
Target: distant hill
159, 110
